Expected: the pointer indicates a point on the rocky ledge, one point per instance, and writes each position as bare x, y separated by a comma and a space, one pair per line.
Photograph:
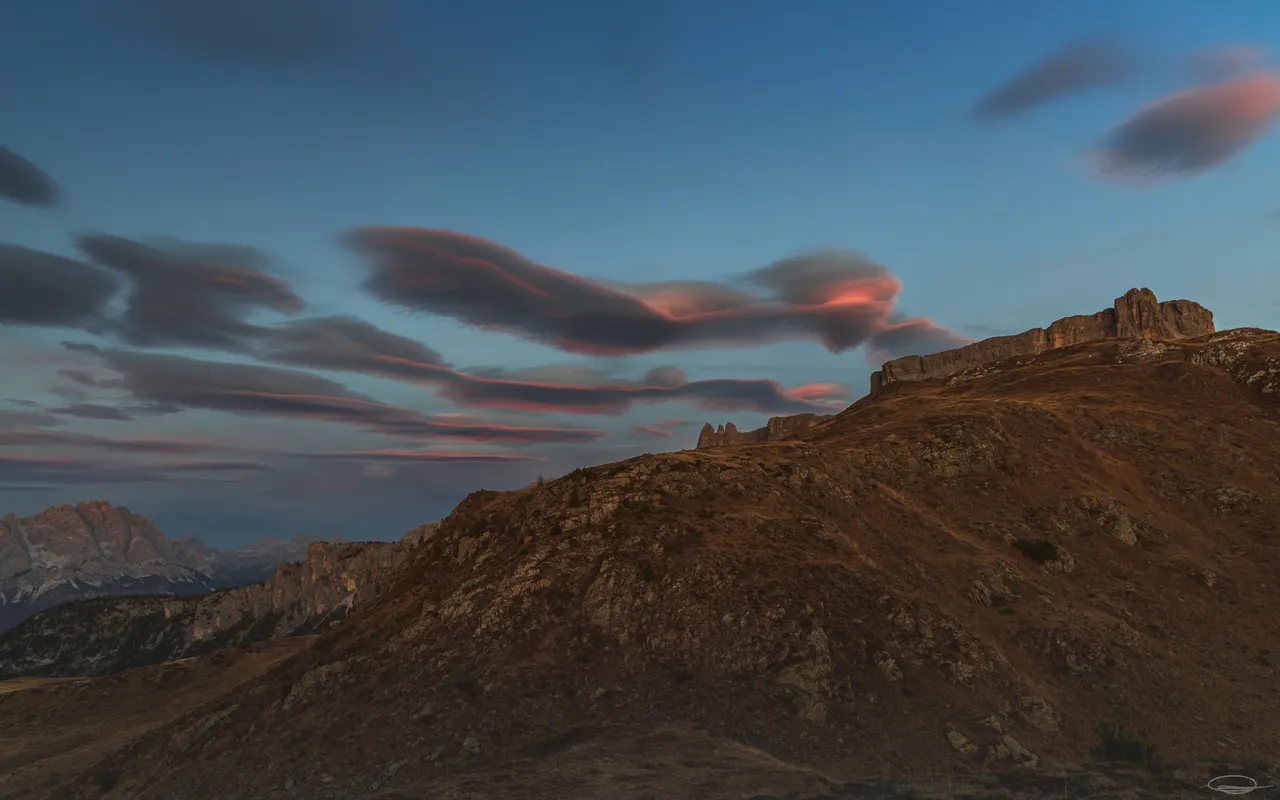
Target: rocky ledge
1137, 314
777, 429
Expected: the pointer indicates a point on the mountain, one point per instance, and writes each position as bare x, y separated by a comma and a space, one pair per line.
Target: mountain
95, 549
106, 635
1008, 571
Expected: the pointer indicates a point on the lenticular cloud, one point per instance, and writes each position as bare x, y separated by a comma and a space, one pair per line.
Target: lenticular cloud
1191, 131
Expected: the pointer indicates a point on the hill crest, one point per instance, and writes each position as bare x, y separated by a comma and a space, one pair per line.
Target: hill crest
1136, 314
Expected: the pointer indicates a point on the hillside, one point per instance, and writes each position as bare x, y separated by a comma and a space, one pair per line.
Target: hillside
982, 572
68, 724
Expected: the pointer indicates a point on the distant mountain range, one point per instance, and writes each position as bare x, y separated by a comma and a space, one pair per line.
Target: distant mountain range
95, 549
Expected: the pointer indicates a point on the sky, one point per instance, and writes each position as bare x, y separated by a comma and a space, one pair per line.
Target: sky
324, 267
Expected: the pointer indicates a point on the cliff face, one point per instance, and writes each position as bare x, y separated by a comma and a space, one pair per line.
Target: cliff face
777, 429
106, 635
256, 561
1136, 315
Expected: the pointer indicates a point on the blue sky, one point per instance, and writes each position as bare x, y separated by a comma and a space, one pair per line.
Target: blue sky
636, 142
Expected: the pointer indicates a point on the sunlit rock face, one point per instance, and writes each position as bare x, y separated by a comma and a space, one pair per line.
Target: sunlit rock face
1137, 314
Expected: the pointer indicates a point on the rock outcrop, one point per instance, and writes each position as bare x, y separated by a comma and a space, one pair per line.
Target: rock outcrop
256, 561
96, 549
106, 635
1136, 315
778, 429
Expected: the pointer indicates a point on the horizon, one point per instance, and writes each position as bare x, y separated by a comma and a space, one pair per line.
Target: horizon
327, 278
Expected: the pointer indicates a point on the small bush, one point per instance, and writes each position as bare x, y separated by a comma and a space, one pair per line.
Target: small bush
1039, 550
1116, 744
107, 778
635, 505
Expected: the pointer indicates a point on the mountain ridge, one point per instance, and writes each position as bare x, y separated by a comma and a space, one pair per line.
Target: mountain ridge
94, 548
1136, 314
105, 635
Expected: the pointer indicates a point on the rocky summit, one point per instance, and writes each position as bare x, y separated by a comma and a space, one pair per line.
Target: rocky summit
95, 549
988, 584
1137, 314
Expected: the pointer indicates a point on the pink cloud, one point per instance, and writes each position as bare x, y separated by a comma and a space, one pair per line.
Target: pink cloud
1191, 131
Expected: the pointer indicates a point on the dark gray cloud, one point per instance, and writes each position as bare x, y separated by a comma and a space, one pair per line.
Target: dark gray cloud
185, 295
910, 337
153, 445
161, 446
419, 457
261, 32
72, 394
28, 419
28, 470
150, 409
24, 182
259, 390
213, 466
840, 299
1191, 131
94, 411
82, 347
44, 289
1080, 66
663, 428
82, 377
345, 344
190, 294
547, 373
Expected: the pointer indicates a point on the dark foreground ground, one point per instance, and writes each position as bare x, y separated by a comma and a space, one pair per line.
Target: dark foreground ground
53, 731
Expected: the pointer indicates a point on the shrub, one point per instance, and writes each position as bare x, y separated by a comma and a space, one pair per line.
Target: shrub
1039, 550
1116, 744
